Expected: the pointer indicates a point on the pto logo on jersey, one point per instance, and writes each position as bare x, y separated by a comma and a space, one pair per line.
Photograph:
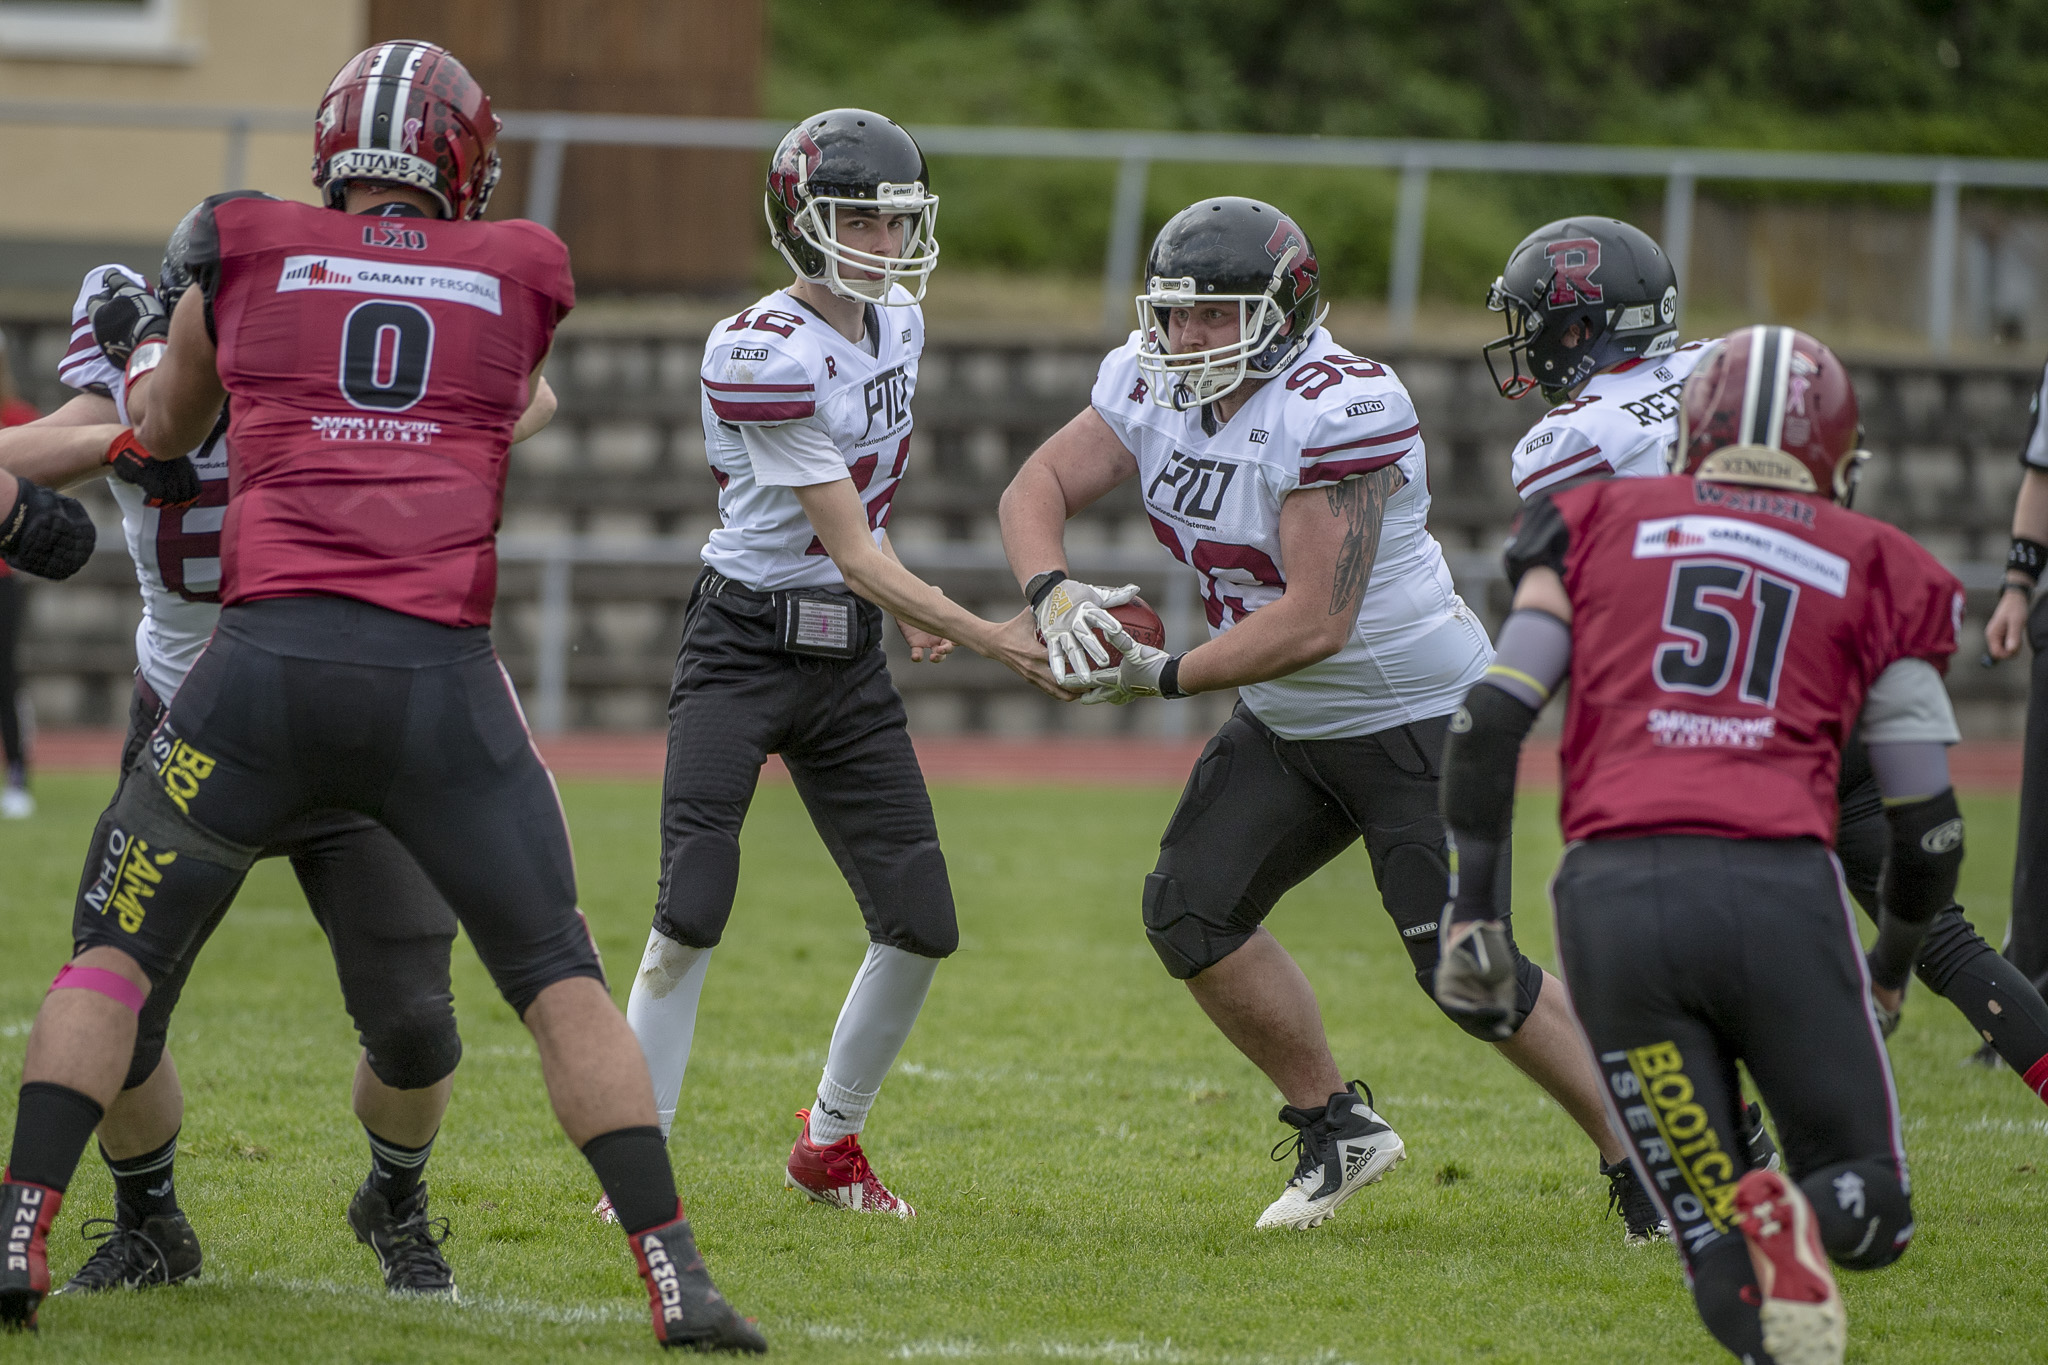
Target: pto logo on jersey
1666, 537
1198, 485
887, 396
447, 283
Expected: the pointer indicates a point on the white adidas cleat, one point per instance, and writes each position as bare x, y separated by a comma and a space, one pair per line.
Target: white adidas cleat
1339, 1150
1803, 1319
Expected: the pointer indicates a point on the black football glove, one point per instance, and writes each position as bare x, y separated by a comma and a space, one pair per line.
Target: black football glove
164, 483
124, 314
46, 533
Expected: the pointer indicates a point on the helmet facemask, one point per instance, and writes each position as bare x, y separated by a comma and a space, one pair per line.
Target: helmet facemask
1524, 323
816, 223
1190, 379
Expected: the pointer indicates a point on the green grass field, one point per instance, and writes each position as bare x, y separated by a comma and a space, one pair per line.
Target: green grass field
1087, 1153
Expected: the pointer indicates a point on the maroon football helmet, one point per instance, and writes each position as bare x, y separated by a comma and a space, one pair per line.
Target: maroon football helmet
408, 113
1771, 406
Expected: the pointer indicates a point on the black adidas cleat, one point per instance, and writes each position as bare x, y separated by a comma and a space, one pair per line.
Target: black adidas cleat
26, 1214
1338, 1150
1985, 1056
689, 1312
1641, 1224
407, 1242
136, 1253
1756, 1139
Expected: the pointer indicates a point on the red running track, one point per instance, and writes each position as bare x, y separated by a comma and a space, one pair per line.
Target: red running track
1979, 766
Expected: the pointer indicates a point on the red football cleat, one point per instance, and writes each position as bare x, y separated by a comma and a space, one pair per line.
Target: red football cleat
26, 1213
1803, 1320
838, 1174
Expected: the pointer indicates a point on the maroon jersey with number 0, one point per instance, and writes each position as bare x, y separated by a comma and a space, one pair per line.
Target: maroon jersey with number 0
1723, 640
377, 366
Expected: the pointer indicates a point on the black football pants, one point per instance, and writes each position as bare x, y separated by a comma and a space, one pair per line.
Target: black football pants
2026, 944
839, 726
388, 929
1686, 954
314, 704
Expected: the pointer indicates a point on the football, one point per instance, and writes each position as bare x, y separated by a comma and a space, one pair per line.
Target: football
1143, 624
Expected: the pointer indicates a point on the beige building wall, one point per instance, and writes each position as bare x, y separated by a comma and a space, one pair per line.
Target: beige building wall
75, 193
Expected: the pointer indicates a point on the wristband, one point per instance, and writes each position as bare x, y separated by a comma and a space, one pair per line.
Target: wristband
1041, 584
1169, 678
2010, 586
2027, 557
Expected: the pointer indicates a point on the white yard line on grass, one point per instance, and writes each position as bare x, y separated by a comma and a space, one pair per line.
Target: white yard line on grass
1139, 1352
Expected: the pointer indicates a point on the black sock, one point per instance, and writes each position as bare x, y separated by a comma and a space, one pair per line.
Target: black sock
143, 1184
394, 1170
51, 1129
632, 1165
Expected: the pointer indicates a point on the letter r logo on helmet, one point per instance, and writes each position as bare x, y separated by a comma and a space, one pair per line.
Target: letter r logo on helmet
1302, 265
1573, 262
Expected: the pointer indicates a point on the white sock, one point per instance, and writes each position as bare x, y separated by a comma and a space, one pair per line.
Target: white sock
888, 991
663, 1012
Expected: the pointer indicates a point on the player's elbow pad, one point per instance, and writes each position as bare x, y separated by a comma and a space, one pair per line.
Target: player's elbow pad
1926, 857
1481, 754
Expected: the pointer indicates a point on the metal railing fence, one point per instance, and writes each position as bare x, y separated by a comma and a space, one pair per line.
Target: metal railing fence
1135, 151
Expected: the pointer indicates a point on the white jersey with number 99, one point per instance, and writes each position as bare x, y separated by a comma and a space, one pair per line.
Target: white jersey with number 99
1214, 500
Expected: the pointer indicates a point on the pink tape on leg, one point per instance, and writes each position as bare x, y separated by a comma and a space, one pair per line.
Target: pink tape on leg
100, 981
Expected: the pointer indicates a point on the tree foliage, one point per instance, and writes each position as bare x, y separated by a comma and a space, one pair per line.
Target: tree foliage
1963, 77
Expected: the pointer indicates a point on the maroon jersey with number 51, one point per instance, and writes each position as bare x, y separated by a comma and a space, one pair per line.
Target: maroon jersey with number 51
1723, 640
376, 366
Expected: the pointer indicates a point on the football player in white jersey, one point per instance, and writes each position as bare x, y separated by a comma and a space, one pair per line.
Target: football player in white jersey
1591, 306
1292, 477
390, 931
807, 424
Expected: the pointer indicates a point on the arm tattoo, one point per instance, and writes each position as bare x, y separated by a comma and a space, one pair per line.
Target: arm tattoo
1362, 503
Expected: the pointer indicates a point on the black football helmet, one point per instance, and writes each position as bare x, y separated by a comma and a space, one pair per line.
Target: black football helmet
1227, 250
1600, 275
851, 158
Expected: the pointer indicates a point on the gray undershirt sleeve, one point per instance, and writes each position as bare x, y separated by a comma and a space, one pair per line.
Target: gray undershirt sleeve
1534, 653
1909, 724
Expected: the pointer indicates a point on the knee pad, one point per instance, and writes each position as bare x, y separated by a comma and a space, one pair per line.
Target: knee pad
1864, 1212
414, 1053
1408, 864
917, 913
1528, 986
1724, 1289
1186, 944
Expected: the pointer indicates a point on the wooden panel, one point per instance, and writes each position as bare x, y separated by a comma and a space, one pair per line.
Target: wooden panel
635, 218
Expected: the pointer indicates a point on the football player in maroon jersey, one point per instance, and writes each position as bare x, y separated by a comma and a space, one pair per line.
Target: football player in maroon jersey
365, 892
1723, 633
1579, 294
380, 351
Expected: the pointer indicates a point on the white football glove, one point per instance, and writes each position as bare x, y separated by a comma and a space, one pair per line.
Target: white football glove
1069, 617
1135, 675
